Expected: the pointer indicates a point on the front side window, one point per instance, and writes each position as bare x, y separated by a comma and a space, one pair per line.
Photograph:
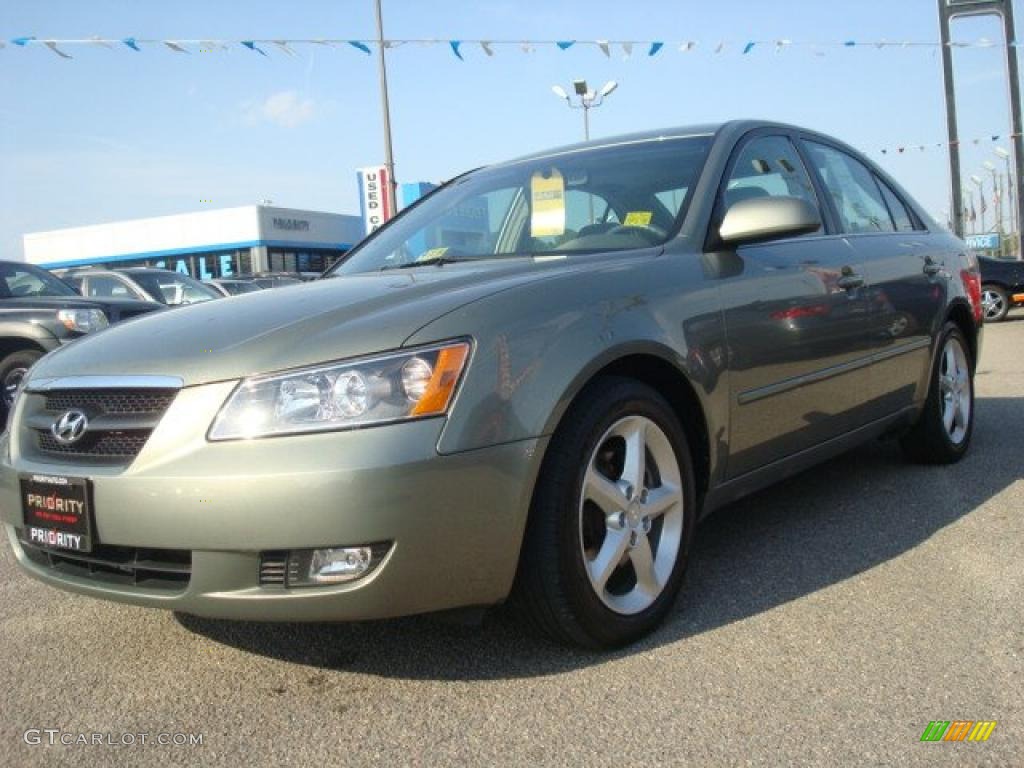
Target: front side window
853, 190
104, 286
173, 288
589, 200
768, 166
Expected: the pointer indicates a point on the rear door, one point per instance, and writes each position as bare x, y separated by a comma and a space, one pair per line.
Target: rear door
796, 318
904, 265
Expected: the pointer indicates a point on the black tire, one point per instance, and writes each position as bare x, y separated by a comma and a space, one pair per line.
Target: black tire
929, 441
553, 591
1001, 303
12, 370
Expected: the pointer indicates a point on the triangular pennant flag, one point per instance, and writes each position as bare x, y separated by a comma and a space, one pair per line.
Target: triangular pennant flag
719, 47
328, 43
748, 48
360, 46
881, 43
97, 40
53, 47
850, 43
21, 40
130, 42
565, 44
175, 46
780, 44
627, 49
210, 45
655, 47
687, 46
603, 45
486, 46
526, 48
455, 48
995, 138
3, 44
885, 151
251, 45
389, 44
283, 45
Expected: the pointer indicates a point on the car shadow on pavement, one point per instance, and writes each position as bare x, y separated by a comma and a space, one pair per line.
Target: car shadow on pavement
803, 535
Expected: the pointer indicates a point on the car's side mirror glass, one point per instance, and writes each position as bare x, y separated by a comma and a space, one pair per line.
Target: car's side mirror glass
767, 218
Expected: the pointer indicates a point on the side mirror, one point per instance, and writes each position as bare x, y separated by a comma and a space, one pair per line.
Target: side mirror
767, 218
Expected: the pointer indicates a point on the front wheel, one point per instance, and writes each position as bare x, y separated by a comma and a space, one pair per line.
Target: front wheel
943, 430
12, 371
612, 519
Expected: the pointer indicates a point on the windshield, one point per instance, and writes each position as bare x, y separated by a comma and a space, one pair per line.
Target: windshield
18, 280
616, 197
173, 288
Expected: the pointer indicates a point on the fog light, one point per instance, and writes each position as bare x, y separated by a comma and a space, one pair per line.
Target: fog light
313, 567
330, 566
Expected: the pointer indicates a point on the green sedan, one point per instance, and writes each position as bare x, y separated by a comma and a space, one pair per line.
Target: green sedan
529, 386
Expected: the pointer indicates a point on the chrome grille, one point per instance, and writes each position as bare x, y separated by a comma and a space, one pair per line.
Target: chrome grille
119, 401
120, 421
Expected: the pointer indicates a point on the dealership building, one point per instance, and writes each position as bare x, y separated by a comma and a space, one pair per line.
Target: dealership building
205, 244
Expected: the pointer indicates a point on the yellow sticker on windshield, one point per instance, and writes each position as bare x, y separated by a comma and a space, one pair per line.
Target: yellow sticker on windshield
433, 253
637, 219
547, 204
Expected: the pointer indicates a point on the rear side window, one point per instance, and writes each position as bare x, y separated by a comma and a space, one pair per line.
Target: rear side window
853, 190
900, 215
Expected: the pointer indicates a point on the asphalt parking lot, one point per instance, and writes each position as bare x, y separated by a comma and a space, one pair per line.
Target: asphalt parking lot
825, 621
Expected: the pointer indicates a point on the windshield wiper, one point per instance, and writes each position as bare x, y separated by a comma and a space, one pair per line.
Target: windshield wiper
436, 261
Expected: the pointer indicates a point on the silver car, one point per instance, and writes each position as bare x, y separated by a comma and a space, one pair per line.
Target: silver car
531, 384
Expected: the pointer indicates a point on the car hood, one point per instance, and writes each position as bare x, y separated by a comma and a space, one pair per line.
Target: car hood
273, 330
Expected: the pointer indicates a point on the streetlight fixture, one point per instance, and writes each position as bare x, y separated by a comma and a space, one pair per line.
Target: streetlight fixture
587, 99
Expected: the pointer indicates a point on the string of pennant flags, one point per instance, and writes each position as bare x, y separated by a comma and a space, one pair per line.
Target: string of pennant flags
459, 48
908, 148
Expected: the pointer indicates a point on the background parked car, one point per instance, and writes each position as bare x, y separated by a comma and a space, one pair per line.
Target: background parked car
142, 283
272, 279
1002, 287
39, 312
231, 287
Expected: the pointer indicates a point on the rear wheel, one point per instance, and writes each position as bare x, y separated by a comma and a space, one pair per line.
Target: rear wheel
994, 303
612, 519
943, 431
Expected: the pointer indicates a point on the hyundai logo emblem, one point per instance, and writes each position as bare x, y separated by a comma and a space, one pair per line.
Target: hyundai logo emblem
70, 427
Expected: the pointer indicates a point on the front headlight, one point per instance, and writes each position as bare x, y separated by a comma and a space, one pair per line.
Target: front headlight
82, 320
397, 386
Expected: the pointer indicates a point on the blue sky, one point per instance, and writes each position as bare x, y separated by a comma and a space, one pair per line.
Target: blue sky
116, 134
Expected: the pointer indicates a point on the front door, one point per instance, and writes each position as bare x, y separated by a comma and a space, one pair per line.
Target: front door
795, 313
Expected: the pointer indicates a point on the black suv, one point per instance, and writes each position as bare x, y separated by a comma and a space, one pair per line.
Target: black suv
39, 313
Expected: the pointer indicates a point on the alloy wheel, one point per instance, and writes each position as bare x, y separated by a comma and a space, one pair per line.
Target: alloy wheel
955, 387
631, 514
11, 383
992, 303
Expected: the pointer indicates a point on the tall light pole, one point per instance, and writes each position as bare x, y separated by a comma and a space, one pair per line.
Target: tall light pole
389, 159
980, 184
1011, 194
997, 196
586, 98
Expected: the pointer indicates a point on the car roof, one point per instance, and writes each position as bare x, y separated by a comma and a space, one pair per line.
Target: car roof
733, 128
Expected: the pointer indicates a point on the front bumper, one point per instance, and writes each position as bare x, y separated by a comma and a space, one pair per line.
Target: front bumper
455, 521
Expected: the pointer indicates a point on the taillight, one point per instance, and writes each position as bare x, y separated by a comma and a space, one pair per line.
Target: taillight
972, 287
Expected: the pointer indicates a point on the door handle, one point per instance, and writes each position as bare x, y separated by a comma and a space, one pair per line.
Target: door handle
931, 268
850, 280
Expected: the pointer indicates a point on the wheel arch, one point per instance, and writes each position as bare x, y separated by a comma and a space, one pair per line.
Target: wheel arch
11, 344
655, 366
960, 314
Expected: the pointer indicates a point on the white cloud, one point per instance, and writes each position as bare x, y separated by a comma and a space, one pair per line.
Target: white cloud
286, 109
